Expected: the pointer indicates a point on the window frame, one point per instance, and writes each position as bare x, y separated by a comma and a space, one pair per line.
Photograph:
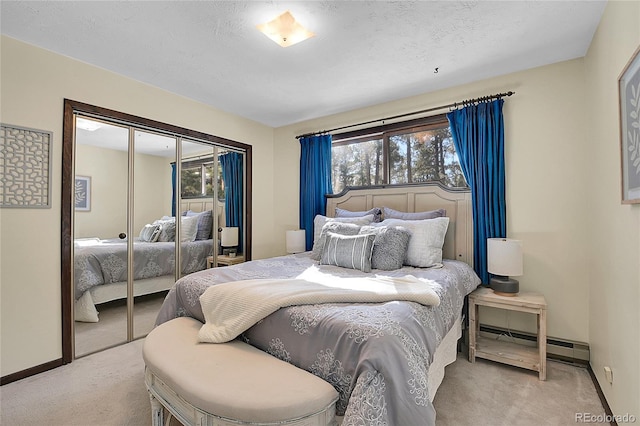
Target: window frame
200, 163
384, 132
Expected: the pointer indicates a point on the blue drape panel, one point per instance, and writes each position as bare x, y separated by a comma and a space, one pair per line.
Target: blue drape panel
478, 135
173, 189
232, 175
315, 181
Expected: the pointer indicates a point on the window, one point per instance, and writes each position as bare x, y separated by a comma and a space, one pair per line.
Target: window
197, 179
414, 152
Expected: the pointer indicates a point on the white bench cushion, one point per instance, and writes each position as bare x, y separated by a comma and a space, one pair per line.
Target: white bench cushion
233, 380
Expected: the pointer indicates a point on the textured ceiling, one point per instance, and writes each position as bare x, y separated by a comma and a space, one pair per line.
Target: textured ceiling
364, 52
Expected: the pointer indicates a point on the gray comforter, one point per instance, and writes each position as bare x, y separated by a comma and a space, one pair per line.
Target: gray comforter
106, 262
377, 356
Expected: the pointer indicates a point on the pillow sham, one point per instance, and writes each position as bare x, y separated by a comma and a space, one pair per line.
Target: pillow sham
188, 228
150, 233
389, 247
167, 229
376, 212
396, 214
336, 228
427, 239
205, 224
319, 221
348, 251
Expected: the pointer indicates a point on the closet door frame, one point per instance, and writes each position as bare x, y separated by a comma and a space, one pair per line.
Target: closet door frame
71, 108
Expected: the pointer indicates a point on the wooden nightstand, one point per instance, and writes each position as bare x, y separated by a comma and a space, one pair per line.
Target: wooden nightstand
225, 260
508, 352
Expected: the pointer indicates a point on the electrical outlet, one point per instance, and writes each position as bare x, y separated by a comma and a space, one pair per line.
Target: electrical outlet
608, 374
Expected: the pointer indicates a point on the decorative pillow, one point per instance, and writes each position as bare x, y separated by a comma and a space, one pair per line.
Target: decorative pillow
395, 214
205, 224
150, 233
319, 221
389, 247
348, 251
376, 212
336, 228
167, 229
427, 239
188, 227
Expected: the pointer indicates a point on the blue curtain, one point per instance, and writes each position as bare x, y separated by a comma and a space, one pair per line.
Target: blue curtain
231, 163
315, 180
478, 136
173, 189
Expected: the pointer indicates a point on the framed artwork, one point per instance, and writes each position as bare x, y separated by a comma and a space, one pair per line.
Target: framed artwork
629, 93
83, 193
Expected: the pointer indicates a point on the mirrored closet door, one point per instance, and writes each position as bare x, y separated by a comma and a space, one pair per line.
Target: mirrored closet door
139, 220
100, 227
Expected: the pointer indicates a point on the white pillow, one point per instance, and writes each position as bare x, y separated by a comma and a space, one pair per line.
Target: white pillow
189, 227
319, 221
427, 239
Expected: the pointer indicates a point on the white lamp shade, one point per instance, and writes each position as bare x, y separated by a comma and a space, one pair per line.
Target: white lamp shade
504, 257
229, 237
296, 241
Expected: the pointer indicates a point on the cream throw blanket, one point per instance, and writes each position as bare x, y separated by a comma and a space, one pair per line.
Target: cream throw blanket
233, 307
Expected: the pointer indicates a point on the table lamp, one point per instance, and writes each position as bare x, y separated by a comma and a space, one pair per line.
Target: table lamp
229, 240
296, 241
504, 260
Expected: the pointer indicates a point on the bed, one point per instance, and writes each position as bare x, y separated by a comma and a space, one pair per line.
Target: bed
387, 359
100, 265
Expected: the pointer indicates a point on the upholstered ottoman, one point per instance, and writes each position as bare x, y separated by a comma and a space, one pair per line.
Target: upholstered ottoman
229, 383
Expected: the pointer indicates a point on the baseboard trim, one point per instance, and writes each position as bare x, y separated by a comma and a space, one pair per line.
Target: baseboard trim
603, 400
19, 375
561, 349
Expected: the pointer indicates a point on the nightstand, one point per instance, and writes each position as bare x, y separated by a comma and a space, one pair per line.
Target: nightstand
225, 260
509, 352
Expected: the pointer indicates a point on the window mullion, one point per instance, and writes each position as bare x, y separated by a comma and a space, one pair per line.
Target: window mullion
386, 178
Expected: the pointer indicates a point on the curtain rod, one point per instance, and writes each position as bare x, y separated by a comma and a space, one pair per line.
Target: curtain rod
452, 105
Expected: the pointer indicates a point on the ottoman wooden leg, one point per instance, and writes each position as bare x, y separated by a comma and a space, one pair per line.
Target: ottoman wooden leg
157, 412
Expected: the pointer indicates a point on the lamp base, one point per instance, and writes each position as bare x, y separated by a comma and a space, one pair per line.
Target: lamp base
504, 286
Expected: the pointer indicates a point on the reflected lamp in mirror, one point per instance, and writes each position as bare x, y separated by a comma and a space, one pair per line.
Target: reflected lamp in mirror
229, 240
296, 241
504, 260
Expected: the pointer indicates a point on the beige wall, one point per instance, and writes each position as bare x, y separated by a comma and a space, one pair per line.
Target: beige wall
108, 171
34, 83
614, 228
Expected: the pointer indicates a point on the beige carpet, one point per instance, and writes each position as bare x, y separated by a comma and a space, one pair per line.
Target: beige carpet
112, 327
107, 388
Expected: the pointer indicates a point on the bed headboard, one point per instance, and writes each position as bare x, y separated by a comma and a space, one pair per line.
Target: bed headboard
203, 204
458, 242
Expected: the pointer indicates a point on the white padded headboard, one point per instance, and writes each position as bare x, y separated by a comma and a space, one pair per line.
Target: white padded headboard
416, 198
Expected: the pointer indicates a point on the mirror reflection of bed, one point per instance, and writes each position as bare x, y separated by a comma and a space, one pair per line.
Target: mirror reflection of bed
101, 240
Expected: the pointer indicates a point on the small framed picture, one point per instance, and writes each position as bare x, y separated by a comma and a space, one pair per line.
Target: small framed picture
629, 93
83, 193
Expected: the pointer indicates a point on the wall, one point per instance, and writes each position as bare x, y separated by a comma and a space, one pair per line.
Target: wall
546, 196
614, 228
108, 171
34, 83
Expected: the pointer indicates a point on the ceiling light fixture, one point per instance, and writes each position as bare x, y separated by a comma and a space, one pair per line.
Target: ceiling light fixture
89, 125
285, 30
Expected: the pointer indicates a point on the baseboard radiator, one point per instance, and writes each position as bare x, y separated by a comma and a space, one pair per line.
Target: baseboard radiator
565, 350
